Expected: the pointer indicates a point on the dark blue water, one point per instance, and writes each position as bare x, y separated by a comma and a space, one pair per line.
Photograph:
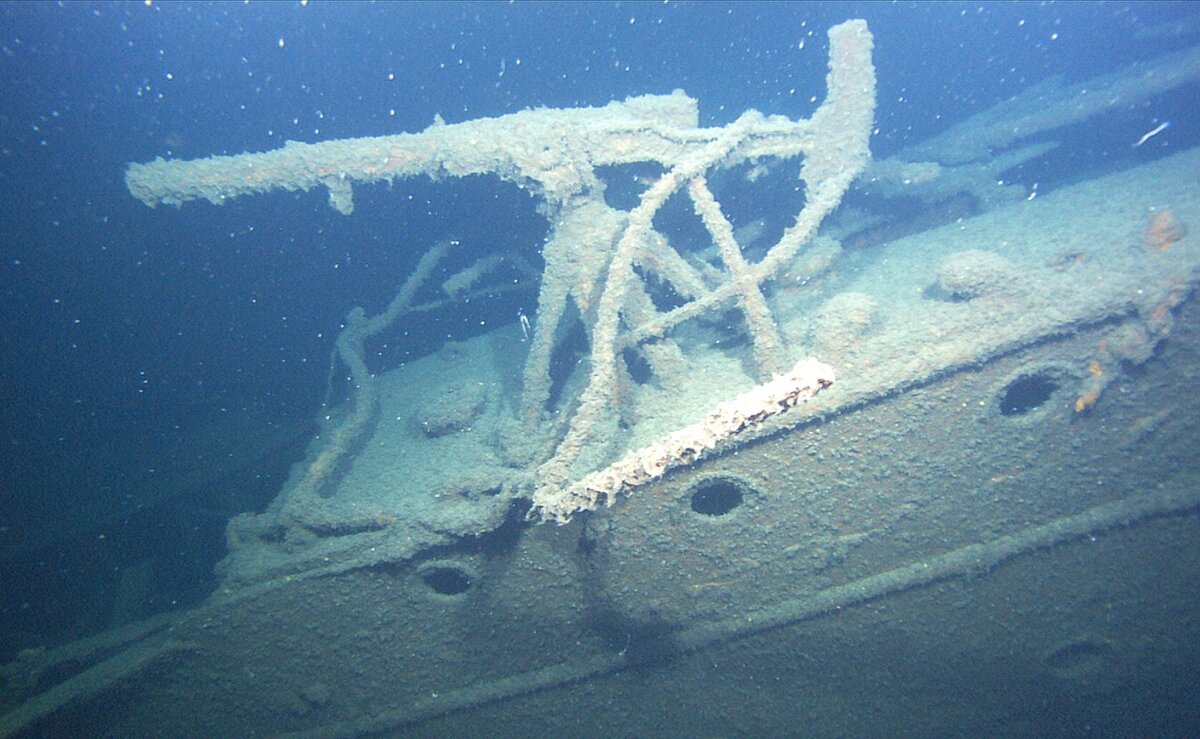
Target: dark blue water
128, 330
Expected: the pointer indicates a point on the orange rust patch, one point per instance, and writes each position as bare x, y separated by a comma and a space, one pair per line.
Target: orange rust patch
1087, 400
1164, 230
1160, 310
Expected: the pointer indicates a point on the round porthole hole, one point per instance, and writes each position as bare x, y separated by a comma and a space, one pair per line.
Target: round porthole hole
717, 497
1027, 393
447, 578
